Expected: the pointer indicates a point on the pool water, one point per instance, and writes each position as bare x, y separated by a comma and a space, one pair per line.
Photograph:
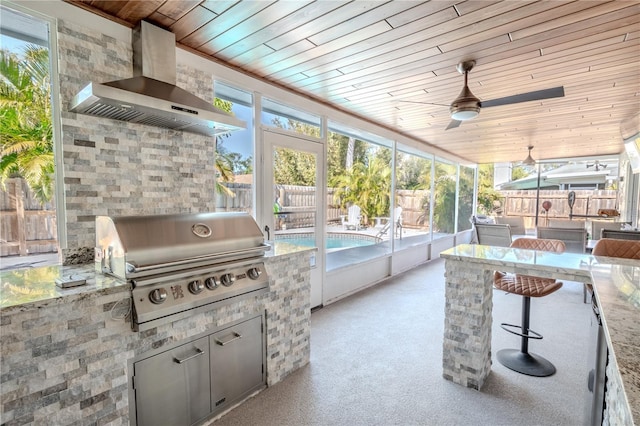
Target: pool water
332, 241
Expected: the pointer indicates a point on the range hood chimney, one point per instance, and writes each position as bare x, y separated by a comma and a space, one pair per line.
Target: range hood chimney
151, 97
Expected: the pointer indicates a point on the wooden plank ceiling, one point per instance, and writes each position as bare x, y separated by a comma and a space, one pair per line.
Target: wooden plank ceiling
372, 57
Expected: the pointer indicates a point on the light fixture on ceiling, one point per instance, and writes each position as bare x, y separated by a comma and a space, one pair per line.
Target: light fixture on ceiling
529, 161
466, 106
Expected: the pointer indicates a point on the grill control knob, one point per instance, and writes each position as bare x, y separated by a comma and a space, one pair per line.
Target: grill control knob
212, 283
254, 273
158, 296
228, 279
196, 286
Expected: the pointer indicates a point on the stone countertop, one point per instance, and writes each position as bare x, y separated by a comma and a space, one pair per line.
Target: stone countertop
279, 248
35, 287
617, 290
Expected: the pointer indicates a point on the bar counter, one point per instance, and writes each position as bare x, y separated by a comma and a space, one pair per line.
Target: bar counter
468, 320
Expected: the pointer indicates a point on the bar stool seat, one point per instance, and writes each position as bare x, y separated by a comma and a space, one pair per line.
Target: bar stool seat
527, 286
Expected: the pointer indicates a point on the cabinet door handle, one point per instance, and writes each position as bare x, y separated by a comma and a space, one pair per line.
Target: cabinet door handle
234, 336
181, 360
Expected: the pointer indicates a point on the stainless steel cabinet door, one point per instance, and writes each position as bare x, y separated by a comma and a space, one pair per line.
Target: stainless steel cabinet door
172, 388
236, 362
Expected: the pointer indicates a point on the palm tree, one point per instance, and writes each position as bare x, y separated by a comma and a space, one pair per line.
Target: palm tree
26, 133
368, 186
224, 173
223, 162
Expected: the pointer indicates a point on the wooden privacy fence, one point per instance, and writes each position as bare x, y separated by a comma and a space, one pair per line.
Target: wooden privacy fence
587, 202
27, 227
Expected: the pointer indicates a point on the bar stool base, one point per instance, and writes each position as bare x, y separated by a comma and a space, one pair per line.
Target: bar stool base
525, 363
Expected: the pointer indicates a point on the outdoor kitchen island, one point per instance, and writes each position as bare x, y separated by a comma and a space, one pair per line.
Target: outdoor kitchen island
66, 353
467, 331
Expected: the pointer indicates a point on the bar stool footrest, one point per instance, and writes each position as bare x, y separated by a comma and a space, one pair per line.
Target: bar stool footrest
525, 363
532, 334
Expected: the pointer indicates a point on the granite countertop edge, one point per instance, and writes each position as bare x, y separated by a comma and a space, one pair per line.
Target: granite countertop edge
97, 284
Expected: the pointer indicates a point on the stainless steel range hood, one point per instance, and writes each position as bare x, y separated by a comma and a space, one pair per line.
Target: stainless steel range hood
151, 97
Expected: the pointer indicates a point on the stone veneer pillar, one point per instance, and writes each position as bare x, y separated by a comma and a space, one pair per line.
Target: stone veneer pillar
466, 351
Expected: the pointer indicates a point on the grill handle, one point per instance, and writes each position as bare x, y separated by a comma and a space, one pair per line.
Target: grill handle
234, 336
181, 360
132, 268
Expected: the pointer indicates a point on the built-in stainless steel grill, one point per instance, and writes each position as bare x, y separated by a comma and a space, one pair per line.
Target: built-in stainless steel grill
181, 264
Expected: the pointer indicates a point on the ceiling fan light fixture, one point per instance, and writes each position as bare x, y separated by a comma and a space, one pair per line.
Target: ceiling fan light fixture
466, 106
529, 161
463, 114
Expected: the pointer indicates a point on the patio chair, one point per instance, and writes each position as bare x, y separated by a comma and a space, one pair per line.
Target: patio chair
493, 234
566, 223
352, 220
397, 221
575, 239
515, 222
598, 225
619, 234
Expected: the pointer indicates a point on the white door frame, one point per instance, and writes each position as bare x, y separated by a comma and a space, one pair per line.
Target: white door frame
286, 139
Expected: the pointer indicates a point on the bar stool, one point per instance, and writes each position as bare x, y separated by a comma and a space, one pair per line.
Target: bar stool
611, 247
526, 286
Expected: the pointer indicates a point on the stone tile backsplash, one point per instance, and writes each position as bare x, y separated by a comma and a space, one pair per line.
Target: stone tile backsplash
118, 168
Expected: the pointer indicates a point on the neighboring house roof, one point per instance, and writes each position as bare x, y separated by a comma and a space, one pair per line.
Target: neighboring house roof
568, 174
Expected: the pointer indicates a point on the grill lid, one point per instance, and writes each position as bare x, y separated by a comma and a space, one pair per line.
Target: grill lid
131, 246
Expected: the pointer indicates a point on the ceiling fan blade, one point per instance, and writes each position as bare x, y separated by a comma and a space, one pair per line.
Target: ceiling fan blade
453, 124
554, 92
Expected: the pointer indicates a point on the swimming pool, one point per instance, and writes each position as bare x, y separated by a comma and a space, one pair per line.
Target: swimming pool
332, 242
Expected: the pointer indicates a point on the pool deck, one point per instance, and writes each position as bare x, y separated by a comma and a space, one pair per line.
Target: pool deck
372, 231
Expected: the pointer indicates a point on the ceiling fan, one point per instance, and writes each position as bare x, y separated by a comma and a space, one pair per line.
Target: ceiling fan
598, 165
529, 161
466, 106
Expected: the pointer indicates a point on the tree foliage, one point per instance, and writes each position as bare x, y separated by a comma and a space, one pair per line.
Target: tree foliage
487, 195
519, 171
294, 167
227, 164
413, 172
465, 194
367, 185
26, 132
445, 197
338, 150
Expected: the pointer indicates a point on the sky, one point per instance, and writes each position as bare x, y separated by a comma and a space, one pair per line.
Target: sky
11, 44
241, 142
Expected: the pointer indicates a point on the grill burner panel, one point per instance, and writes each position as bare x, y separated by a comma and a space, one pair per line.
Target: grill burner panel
174, 296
